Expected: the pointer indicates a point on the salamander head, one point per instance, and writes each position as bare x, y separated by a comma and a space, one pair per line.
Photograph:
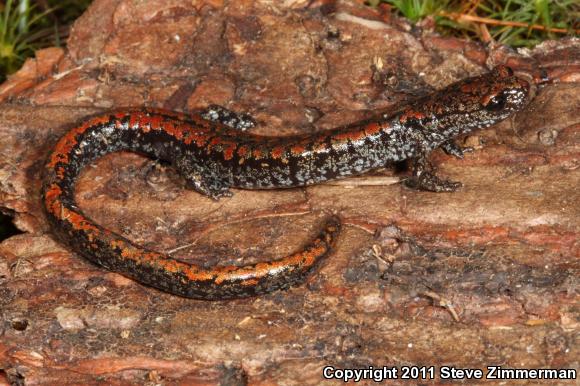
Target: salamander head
505, 93
498, 92
476, 102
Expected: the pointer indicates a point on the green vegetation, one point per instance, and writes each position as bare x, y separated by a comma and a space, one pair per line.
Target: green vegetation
26, 26
15, 25
416, 10
519, 23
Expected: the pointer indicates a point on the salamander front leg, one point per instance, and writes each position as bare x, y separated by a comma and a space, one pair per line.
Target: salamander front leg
424, 178
238, 121
454, 149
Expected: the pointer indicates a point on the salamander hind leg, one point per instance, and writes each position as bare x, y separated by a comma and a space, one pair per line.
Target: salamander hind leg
202, 179
424, 178
454, 149
213, 188
238, 121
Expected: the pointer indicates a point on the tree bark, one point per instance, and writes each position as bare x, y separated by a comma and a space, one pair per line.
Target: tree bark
487, 275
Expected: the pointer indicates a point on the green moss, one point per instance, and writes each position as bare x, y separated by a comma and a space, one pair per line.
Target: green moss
551, 18
26, 26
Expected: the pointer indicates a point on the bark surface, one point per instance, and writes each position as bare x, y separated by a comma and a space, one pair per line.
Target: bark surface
487, 275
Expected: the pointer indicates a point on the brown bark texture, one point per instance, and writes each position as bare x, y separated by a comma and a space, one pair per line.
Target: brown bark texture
486, 275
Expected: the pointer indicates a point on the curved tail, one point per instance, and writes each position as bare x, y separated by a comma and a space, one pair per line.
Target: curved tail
109, 133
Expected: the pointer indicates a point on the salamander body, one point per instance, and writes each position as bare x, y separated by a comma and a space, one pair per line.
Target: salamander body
213, 157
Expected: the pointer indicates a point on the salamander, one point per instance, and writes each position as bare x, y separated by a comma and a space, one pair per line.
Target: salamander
212, 154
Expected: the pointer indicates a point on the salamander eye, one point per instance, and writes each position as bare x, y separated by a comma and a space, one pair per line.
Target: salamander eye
496, 103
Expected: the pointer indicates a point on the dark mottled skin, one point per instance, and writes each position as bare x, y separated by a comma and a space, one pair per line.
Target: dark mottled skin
213, 156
